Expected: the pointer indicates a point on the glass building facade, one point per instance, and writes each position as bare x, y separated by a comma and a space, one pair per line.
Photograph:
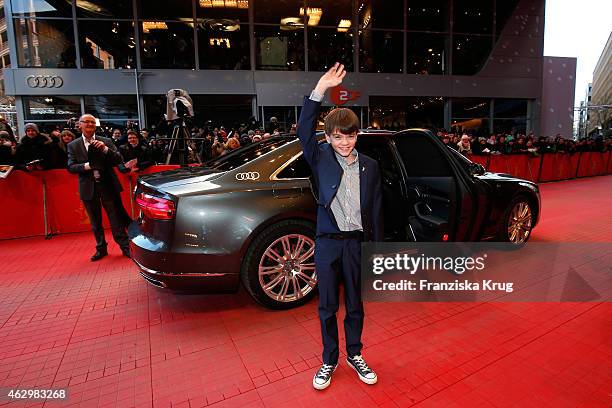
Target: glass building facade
404, 57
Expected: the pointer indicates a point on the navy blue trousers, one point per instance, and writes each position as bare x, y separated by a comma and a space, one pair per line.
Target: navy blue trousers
335, 260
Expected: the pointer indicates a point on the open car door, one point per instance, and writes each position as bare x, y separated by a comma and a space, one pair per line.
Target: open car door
432, 189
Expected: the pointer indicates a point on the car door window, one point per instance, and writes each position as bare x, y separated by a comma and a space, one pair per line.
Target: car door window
298, 168
421, 157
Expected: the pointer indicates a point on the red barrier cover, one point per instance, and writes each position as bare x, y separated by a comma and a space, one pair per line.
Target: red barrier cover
498, 163
64, 205
534, 168
590, 164
484, 160
22, 192
518, 166
22, 205
559, 166
565, 165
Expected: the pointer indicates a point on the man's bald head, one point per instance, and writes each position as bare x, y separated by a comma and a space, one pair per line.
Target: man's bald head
88, 125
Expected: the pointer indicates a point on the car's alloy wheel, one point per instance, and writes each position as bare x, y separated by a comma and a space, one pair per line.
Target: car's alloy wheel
287, 269
519, 223
278, 269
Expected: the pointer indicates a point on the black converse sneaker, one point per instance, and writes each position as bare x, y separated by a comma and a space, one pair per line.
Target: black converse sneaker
322, 378
364, 372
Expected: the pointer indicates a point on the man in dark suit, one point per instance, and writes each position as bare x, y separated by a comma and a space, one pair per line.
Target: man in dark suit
93, 157
349, 211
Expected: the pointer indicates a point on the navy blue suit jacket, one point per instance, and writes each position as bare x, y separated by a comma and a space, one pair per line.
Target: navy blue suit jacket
327, 173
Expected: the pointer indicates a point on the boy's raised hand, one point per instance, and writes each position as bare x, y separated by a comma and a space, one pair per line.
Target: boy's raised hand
331, 78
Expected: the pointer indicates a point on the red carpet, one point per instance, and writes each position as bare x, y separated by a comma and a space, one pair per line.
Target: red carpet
113, 340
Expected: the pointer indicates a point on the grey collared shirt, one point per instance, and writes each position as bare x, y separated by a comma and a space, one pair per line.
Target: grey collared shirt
346, 205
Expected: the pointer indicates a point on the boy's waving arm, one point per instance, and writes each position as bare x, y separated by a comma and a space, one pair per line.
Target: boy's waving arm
307, 124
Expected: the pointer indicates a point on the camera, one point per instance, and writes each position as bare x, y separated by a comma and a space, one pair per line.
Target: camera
179, 105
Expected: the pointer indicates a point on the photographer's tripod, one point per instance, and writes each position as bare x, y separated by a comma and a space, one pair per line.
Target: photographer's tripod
179, 140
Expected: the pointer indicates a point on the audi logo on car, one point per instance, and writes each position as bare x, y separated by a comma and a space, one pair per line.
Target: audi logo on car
251, 175
44, 81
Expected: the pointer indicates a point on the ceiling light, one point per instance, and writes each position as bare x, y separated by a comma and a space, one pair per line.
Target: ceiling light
314, 15
241, 4
291, 23
89, 6
153, 25
344, 25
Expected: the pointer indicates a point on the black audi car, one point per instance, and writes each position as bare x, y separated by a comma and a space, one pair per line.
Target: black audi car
250, 216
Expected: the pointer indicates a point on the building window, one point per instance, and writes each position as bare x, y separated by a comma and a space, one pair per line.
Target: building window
45, 43
166, 44
401, 112
39, 8
328, 45
209, 111
107, 44
471, 115
161, 10
470, 53
503, 11
112, 106
323, 13
380, 14
279, 48
285, 117
227, 10
427, 53
428, 15
118, 9
279, 12
51, 107
510, 116
381, 51
509, 108
510, 126
473, 16
223, 45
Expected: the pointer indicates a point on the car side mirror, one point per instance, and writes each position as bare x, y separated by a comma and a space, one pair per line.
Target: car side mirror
477, 169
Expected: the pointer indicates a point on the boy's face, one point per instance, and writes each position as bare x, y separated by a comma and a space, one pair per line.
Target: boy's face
343, 144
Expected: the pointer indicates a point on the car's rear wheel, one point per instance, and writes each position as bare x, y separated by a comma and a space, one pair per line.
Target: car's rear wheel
518, 222
278, 270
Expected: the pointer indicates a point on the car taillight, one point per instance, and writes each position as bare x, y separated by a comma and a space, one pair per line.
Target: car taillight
156, 207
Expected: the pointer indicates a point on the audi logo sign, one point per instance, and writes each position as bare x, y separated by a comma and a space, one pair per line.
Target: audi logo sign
252, 175
44, 81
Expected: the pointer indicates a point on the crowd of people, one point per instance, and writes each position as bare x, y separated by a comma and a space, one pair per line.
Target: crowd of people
143, 148
503, 143
139, 148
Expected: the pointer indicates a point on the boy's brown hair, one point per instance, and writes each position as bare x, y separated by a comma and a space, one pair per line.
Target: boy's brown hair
343, 120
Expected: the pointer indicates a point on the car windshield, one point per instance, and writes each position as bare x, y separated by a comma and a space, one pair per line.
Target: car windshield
245, 154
